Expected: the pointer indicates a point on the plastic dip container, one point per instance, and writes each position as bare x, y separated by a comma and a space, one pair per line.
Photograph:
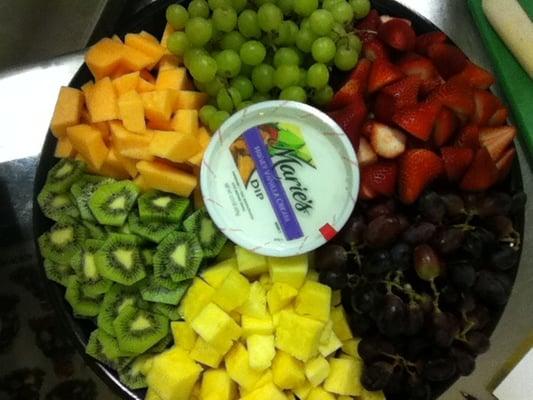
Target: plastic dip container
279, 178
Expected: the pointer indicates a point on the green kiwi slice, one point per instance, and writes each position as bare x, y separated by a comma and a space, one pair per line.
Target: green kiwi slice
131, 374
62, 175
148, 256
162, 345
210, 237
163, 207
82, 191
95, 349
227, 251
59, 273
57, 205
119, 259
111, 202
164, 291
137, 330
62, 241
179, 255
83, 262
82, 304
169, 311
115, 299
95, 231
154, 231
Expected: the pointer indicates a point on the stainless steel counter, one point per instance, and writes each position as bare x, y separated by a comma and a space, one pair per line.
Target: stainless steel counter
27, 97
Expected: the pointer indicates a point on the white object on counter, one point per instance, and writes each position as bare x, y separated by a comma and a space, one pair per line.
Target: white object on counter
518, 385
515, 28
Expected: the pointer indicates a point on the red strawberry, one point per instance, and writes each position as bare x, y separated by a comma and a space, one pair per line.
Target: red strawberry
481, 174
374, 49
456, 161
404, 92
448, 59
486, 105
419, 119
384, 108
380, 177
350, 118
387, 142
468, 137
457, 96
397, 34
365, 153
424, 41
499, 117
366, 129
445, 126
354, 87
365, 193
368, 27
382, 73
387, 18
497, 140
418, 168
505, 163
476, 76
423, 68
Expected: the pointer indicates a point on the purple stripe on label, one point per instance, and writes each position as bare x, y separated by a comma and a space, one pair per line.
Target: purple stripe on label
273, 187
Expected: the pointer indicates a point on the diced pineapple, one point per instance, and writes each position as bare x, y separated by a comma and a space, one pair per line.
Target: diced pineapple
280, 296
340, 323
198, 296
320, 394
350, 347
183, 334
344, 377
329, 342
217, 385
250, 264
290, 396
256, 326
336, 298
366, 395
290, 270
238, 367
216, 274
346, 398
266, 378
266, 392
303, 391
314, 300
255, 306
151, 395
233, 292
287, 372
313, 275
265, 280
216, 327
261, 351
206, 354
317, 370
299, 336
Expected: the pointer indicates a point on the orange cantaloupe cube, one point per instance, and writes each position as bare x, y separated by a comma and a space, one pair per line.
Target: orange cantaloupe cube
169, 30
86, 89
149, 36
161, 176
134, 60
171, 79
196, 160
119, 71
113, 167
189, 99
203, 136
103, 127
104, 57
147, 75
174, 146
158, 105
64, 148
117, 39
141, 183
168, 61
101, 101
131, 111
67, 111
126, 82
145, 45
129, 144
128, 164
185, 121
159, 125
88, 142
145, 86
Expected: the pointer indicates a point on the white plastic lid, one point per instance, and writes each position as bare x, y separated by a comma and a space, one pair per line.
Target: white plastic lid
280, 178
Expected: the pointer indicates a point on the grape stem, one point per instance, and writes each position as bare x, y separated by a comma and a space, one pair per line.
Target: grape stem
436, 293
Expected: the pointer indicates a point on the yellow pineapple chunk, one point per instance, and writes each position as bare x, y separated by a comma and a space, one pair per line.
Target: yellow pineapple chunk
185, 121
184, 336
217, 385
206, 354
216, 274
256, 326
329, 342
174, 146
166, 178
350, 347
67, 110
238, 367
250, 264
266, 392
366, 395
88, 142
255, 305
233, 292
344, 377
280, 296
312, 275
151, 395
261, 351
265, 280
266, 378
216, 327
336, 298
340, 323
299, 336
131, 111
316, 370
287, 372
289, 270
347, 398
197, 297
314, 301
302, 391
320, 394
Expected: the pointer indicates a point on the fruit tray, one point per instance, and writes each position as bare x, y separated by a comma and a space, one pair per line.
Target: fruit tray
152, 19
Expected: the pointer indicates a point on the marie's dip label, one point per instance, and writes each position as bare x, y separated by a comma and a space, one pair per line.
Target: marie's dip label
280, 178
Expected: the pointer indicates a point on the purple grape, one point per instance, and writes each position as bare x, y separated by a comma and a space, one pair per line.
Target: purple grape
397, 381
392, 318
477, 342
500, 225
462, 274
432, 207
418, 389
353, 231
427, 264
365, 299
415, 319
504, 258
361, 325
417, 346
418, 233
449, 296
331, 256
385, 209
518, 203
491, 289
455, 205
377, 375
401, 255
440, 369
494, 204
473, 245
464, 361
378, 262
448, 240
374, 348
445, 327
333, 278
382, 231
403, 222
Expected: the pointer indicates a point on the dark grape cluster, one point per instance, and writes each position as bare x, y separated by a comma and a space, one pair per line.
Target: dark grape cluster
424, 285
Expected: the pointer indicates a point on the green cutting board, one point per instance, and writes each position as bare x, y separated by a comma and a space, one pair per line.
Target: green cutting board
517, 85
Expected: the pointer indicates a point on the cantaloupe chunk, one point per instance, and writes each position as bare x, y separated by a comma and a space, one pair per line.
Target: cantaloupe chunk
102, 101
113, 167
174, 146
174, 78
64, 148
146, 45
67, 111
141, 183
103, 127
134, 60
131, 111
169, 30
118, 72
88, 142
129, 144
168, 61
147, 75
117, 39
104, 57
126, 82
144, 86
149, 36
196, 160
185, 121
128, 164
203, 136
159, 125
192, 100
158, 105
162, 176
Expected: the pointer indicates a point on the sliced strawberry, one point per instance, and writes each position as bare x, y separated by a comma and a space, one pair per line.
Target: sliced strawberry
398, 34
424, 41
445, 126
382, 73
380, 177
421, 67
481, 174
374, 49
350, 119
365, 153
456, 161
368, 27
366, 193
497, 140
486, 105
418, 168
505, 163
384, 108
468, 137
354, 87
387, 18
387, 142
499, 117
419, 119
456, 96
476, 76
448, 59
404, 92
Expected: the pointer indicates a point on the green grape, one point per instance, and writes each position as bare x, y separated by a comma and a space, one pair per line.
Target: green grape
177, 16
199, 31
224, 101
239, 5
178, 43
213, 87
214, 4
224, 19
286, 75
235, 96
321, 22
244, 104
286, 6
217, 119
345, 58
286, 55
294, 93
228, 63
252, 52
323, 49
305, 24
302, 81
323, 96
360, 8
354, 42
244, 86
259, 97
232, 41
286, 33
269, 17
263, 78
327, 4
305, 39
342, 12
305, 8
203, 68
191, 53
317, 76
248, 25
259, 3
206, 112
198, 8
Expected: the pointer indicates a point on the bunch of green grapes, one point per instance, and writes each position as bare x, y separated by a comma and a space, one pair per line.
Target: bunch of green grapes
245, 51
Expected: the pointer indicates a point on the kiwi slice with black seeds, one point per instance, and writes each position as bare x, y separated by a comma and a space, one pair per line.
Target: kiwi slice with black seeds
162, 345
95, 231
111, 202
62, 241
57, 205
62, 175
82, 191
169, 311
137, 330
95, 349
110, 346
210, 237
132, 375
154, 231
163, 207
119, 259
115, 299
83, 262
179, 255
59, 273
148, 256
164, 291
82, 304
